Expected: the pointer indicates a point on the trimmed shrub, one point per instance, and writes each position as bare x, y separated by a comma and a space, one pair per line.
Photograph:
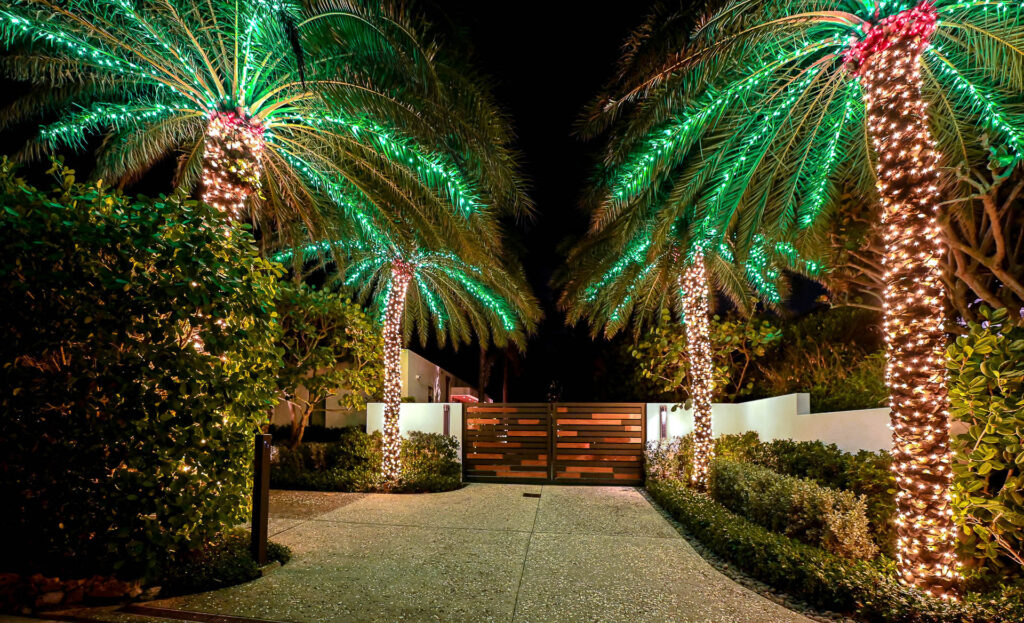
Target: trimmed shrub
225, 562
866, 473
832, 519
736, 447
822, 579
138, 364
430, 462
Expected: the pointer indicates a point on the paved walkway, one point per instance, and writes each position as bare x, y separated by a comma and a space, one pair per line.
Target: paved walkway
484, 553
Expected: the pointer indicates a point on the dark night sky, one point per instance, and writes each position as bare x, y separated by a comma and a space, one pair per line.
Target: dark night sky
546, 61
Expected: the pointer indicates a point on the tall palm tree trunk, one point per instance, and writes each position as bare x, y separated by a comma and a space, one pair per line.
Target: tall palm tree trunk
694, 286
391, 464
232, 162
908, 181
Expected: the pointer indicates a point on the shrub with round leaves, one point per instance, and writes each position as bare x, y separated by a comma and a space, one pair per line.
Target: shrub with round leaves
138, 363
986, 393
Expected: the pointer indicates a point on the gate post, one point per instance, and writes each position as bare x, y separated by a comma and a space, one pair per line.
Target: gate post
552, 442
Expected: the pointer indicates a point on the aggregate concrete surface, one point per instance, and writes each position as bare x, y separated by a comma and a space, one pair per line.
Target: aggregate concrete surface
481, 553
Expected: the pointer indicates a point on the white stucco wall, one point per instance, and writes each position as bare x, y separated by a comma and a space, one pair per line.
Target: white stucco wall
784, 417
419, 416
781, 417
335, 416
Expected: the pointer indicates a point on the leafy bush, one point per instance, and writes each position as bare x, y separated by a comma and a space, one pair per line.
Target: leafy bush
224, 562
865, 473
986, 393
735, 447
430, 462
679, 452
834, 355
829, 518
736, 343
820, 578
138, 363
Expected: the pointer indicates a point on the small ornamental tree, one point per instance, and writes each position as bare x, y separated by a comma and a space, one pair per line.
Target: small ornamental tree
327, 343
138, 362
737, 343
986, 392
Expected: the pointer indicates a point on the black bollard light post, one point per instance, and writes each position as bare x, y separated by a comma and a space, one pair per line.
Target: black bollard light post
260, 499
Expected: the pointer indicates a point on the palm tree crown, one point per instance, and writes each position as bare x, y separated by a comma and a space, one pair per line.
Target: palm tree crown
762, 113
449, 299
273, 106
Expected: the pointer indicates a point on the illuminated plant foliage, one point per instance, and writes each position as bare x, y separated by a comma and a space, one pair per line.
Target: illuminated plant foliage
431, 292
754, 118
272, 107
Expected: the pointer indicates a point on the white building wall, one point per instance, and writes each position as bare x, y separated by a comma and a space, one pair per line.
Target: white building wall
783, 417
335, 416
419, 416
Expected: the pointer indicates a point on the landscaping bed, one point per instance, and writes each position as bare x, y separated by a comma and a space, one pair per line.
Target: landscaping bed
349, 460
816, 523
866, 590
222, 562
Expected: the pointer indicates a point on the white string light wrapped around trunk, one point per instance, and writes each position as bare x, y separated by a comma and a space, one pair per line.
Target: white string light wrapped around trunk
695, 295
232, 162
401, 275
888, 62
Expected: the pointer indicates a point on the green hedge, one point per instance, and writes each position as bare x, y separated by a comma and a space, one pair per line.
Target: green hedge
430, 462
829, 518
139, 363
865, 473
821, 579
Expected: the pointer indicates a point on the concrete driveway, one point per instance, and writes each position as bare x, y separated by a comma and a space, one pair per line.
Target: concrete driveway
484, 553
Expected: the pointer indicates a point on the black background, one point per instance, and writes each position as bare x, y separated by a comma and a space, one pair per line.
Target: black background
546, 60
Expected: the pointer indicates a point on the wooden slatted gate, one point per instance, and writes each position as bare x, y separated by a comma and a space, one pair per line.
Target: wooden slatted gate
506, 442
598, 443
571, 443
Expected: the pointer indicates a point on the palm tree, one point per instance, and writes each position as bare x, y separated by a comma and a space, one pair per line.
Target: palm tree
619, 277
785, 97
423, 288
271, 105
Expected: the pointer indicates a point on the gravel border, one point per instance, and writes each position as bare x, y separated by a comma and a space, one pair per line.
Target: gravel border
737, 575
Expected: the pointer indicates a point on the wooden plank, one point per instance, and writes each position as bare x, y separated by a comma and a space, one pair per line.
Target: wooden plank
597, 443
